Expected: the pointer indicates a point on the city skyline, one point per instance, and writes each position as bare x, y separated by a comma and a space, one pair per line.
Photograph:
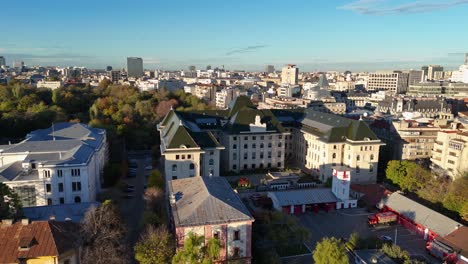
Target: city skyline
377, 35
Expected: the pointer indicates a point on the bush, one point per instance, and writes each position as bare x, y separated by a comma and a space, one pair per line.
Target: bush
353, 241
150, 218
395, 252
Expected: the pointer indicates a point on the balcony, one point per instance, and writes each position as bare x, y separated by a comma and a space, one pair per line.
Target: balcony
438, 142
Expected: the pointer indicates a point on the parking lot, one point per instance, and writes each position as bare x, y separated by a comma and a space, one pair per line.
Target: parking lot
342, 223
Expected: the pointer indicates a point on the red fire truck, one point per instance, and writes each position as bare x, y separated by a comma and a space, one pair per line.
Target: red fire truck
385, 218
441, 251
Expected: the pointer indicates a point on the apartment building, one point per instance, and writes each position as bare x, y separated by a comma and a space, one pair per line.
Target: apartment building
59, 165
450, 153
446, 89
413, 140
430, 107
245, 138
209, 207
225, 96
289, 74
395, 82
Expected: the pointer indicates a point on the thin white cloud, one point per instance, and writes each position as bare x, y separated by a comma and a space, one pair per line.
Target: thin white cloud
383, 7
245, 49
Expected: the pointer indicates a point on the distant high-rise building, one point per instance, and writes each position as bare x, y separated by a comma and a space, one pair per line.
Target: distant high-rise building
289, 74
134, 67
466, 59
2, 61
394, 81
415, 77
270, 69
114, 76
192, 68
431, 71
18, 64
109, 68
424, 70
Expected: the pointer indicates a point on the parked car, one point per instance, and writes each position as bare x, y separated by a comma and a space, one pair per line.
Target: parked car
149, 167
128, 196
386, 239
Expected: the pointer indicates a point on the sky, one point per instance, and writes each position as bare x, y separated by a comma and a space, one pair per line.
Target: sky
316, 35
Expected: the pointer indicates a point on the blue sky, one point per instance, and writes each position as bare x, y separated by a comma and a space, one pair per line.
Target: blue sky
314, 34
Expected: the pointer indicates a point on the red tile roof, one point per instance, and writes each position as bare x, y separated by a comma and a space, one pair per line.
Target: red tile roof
44, 238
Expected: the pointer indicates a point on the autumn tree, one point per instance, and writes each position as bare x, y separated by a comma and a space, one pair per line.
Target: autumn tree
457, 197
103, 234
155, 246
330, 250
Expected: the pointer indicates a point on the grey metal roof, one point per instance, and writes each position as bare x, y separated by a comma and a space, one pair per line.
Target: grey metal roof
75, 211
308, 196
204, 201
420, 214
10, 171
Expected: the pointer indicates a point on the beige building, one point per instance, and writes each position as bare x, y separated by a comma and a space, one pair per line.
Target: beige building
414, 140
450, 152
289, 74
395, 81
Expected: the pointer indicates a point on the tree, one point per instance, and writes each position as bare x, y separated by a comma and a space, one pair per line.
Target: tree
154, 197
195, 252
457, 195
155, 179
330, 250
154, 246
353, 241
10, 205
103, 233
409, 175
395, 252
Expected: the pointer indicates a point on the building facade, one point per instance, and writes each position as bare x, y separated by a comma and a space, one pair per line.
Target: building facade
207, 206
450, 153
134, 67
58, 165
395, 82
289, 74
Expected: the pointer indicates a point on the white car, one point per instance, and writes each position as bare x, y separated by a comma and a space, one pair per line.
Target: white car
149, 167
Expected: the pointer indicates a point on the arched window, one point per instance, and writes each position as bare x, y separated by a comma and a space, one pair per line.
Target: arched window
77, 199
174, 167
192, 166
334, 155
211, 162
372, 157
358, 157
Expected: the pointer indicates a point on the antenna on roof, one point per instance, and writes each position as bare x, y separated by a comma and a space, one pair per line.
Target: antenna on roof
53, 132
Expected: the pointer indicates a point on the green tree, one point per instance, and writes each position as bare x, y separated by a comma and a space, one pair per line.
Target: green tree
155, 180
10, 205
395, 252
195, 251
353, 241
457, 195
408, 175
330, 250
155, 246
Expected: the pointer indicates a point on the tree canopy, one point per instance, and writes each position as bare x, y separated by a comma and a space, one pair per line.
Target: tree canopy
196, 251
10, 205
330, 250
407, 174
155, 246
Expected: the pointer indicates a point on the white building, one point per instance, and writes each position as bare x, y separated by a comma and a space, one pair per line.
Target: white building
289, 74
135, 67
396, 81
61, 164
225, 96
461, 75
49, 84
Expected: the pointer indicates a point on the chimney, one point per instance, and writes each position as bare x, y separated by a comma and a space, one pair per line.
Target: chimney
25, 221
7, 222
172, 199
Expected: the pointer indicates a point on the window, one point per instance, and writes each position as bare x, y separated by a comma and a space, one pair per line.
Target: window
76, 186
254, 145
236, 252
280, 136
253, 166
192, 166
234, 167
245, 155
236, 235
177, 157
254, 138
334, 156
269, 145
279, 145
174, 177
183, 157
246, 138
211, 153
279, 154
358, 157
33, 166
279, 164
269, 154
358, 170
334, 146
59, 173
245, 166
371, 168
189, 156
261, 145
77, 199
62, 200
262, 137
47, 174
261, 155
269, 165
60, 187
234, 146
174, 167
49, 201
246, 146
75, 172
216, 235
234, 138
234, 156
371, 157
211, 162
254, 156
48, 188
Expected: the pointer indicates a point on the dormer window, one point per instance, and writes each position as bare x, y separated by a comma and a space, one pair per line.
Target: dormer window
33, 166
25, 243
